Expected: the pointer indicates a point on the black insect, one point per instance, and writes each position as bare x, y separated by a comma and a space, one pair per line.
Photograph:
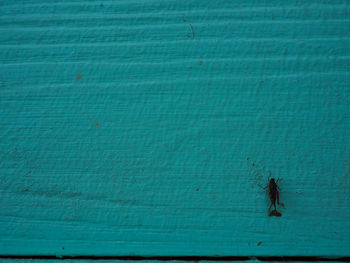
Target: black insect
274, 195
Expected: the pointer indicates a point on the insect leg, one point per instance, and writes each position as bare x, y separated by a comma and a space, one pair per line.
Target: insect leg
261, 186
277, 185
270, 206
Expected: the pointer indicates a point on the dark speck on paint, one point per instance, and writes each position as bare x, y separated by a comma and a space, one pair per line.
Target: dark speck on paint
259, 243
97, 125
79, 77
197, 189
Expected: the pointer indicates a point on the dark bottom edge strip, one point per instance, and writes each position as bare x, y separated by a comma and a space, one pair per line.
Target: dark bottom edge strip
183, 258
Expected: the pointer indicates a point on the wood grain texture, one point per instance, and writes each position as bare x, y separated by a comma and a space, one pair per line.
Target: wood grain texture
145, 127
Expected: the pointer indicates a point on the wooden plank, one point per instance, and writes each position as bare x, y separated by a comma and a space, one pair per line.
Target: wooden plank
145, 127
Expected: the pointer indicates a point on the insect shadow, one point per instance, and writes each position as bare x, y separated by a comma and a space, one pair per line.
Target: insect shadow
274, 195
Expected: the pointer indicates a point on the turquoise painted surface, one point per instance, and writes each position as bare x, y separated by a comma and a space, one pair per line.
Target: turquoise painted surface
145, 127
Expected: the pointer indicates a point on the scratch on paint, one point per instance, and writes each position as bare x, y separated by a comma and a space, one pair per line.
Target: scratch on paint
192, 30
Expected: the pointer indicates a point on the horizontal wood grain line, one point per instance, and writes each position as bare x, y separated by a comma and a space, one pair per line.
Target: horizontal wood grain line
281, 40
121, 17
105, 60
184, 258
174, 25
114, 3
208, 40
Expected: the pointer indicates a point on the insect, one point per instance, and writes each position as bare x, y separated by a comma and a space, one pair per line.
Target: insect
274, 195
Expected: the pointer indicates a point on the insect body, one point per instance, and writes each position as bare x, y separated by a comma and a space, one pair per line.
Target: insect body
273, 191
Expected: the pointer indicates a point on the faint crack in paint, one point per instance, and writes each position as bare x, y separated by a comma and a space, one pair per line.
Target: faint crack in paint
191, 27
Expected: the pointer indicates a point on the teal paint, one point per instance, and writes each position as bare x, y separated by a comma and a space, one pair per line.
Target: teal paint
125, 133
